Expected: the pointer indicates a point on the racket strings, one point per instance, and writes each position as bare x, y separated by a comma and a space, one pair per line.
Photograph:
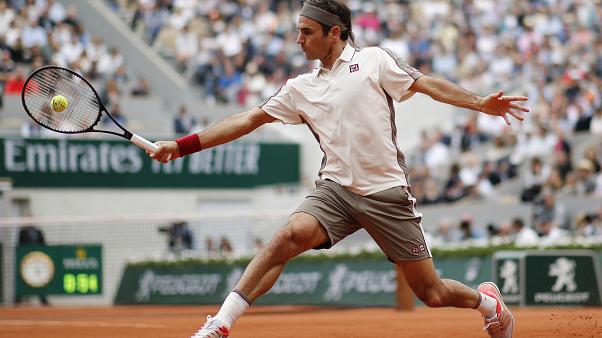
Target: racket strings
83, 107
63, 121
53, 118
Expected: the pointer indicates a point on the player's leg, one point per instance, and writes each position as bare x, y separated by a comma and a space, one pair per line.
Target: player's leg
391, 219
436, 292
303, 232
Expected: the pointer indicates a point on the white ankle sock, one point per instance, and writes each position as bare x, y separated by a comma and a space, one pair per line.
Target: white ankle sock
487, 306
234, 306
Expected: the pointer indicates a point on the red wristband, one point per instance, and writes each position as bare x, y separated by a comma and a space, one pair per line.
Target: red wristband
189, 144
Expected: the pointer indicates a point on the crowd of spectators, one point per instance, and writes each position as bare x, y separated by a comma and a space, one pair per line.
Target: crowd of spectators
34, 33
549, 225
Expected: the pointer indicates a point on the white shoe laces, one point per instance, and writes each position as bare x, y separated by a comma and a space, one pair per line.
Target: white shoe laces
210, 329
493, 325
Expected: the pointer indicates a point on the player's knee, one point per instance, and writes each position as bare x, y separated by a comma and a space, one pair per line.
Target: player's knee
431, 296
283, 246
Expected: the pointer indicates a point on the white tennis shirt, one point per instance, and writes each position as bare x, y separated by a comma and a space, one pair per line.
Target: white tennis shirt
349, 109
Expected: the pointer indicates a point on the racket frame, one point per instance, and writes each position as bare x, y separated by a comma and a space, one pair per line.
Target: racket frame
137, 140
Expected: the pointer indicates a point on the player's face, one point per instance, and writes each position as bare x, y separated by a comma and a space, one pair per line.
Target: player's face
312, 40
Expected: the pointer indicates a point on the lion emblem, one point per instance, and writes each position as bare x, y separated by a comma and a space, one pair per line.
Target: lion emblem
564, 271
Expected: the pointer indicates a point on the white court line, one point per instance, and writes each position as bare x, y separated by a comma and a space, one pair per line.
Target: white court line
78, 323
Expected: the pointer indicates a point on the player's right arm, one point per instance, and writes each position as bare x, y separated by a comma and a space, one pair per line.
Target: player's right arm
229, 129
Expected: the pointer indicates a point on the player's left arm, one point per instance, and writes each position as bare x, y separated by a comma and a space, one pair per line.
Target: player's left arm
495, 104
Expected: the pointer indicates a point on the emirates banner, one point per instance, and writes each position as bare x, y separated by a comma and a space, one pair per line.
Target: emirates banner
79, 163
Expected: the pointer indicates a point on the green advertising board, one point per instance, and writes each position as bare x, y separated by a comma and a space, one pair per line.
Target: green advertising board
562, 279
340, 282
548, 278
59, 270
507, 267
77, 163
344, 283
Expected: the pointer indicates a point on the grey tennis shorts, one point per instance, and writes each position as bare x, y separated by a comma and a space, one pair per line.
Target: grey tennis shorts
388, 216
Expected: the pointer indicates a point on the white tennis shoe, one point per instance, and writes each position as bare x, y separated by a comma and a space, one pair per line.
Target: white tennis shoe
502, 324
213, 328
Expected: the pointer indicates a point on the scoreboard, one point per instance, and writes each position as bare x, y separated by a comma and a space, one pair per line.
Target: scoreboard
59, 270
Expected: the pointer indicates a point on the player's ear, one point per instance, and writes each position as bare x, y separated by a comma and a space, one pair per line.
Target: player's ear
336, 32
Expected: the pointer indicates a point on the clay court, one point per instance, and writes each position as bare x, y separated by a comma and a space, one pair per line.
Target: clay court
293, 322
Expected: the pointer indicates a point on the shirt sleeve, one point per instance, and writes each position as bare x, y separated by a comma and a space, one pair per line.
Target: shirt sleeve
396, 76
281, 105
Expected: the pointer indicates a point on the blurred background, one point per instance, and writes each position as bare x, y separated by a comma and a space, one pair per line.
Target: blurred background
167, 68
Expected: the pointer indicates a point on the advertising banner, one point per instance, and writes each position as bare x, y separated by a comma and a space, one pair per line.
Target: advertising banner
548, 277
349, 282
562, 279
77, 163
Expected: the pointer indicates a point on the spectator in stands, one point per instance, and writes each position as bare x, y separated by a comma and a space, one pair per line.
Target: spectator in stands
111, 93
179, 237
141, 87
184, 122
596, 124
431, 193
547, 208
469, 174
7, 15
187, 45
555, 182
225, 248
490, 172
446, 232
467, 229
585, 178
523, 235
109, 63
454, 188
228, 83
472, 137
585, 226
210, 247
15, 81
535, 178
436, 152
598, 183
591, 155
562, 164
550, 232
7, 66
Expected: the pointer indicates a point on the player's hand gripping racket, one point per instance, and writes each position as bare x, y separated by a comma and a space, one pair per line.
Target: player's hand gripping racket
63, 101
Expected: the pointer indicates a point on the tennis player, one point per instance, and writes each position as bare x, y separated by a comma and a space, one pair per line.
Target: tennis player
347, 103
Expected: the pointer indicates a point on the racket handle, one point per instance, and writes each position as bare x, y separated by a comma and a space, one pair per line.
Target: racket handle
143, 143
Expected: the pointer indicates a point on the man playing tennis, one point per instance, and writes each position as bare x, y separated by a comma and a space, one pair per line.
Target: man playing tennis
348, 105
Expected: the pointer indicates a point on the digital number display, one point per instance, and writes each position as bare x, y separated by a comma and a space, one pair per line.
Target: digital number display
74, 270
82, 283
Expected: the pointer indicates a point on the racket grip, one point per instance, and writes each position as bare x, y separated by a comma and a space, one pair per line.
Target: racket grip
143, 143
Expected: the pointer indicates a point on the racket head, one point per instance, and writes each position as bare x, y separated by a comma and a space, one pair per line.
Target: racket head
84, 106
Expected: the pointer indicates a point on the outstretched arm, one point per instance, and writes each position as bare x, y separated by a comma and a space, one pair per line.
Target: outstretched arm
227, 130
495, 104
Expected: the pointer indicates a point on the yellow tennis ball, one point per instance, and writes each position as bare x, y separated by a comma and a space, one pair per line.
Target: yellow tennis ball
59, 103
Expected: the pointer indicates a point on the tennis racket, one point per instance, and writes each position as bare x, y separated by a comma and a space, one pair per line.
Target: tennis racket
83, 106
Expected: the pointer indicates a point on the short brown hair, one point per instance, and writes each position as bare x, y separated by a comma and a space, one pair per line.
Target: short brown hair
339, 9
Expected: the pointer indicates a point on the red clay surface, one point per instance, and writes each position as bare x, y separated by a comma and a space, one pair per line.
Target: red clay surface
287, 321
